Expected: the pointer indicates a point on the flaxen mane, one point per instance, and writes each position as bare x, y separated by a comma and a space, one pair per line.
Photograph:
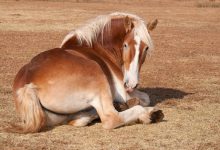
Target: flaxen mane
90, 31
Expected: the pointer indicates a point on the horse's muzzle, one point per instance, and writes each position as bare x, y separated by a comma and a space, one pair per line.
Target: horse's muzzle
129, 88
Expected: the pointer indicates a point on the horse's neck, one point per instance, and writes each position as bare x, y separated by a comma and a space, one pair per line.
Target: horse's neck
107, 56
98, 54
107, 45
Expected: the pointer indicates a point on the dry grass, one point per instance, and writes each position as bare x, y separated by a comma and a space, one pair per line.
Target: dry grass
181, 76
209, 4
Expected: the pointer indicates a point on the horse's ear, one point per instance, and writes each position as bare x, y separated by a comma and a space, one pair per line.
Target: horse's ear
152, 25
128, 24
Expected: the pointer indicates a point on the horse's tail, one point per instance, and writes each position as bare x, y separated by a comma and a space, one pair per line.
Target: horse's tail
30, 110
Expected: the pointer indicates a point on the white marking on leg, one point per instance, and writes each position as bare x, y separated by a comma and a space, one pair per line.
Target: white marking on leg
83, 121
137, 113
131, 115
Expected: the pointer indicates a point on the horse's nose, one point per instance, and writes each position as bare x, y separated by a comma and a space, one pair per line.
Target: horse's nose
126, 84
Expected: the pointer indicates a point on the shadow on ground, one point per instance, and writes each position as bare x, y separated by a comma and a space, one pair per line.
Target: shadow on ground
160, 94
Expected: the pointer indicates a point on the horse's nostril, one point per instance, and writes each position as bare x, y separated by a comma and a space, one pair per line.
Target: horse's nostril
125, 85
136, 86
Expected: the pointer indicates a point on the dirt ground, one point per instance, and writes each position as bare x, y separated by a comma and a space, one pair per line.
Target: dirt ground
182, 75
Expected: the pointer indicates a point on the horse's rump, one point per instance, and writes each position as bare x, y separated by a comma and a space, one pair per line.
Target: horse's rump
57, 73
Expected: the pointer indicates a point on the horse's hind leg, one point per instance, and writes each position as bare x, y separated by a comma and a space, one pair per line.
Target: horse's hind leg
55, 119
83, 118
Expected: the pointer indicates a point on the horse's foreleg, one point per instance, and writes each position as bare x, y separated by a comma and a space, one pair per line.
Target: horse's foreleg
106, 111
112, 119
141, 114
144, 98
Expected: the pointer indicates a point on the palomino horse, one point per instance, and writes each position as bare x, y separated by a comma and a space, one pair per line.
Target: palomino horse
97, 64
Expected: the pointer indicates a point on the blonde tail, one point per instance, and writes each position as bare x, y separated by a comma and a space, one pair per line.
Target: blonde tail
30, 110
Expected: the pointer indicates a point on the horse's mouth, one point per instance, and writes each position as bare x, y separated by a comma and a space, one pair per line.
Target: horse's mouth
129, 89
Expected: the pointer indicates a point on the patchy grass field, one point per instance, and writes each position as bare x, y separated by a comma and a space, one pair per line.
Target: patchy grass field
182, 75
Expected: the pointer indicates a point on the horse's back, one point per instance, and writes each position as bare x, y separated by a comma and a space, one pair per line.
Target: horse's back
24, 74
54, 62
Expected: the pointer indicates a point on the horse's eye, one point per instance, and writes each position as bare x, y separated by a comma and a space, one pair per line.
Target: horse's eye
125, 45
146, 48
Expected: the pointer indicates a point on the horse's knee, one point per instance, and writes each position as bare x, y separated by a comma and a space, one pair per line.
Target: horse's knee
112, 121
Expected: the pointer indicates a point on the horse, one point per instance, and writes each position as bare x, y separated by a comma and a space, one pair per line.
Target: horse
96, 65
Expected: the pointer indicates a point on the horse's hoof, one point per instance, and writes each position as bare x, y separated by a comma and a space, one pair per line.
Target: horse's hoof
133, 102
156, 116
124, 106
120, 106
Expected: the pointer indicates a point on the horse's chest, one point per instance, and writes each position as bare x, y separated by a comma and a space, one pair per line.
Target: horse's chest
119, 94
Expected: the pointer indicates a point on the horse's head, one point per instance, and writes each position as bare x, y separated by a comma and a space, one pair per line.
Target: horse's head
124, 36
134, 50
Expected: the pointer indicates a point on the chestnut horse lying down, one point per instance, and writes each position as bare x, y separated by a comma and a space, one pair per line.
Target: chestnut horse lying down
97, 65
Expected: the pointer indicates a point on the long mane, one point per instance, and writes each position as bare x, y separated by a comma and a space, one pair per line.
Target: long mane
90, 31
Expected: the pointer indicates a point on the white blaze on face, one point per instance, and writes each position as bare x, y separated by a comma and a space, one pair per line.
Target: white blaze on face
131, 75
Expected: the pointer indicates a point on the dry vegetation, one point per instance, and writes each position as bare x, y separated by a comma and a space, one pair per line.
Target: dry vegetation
210, 3
182, 75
